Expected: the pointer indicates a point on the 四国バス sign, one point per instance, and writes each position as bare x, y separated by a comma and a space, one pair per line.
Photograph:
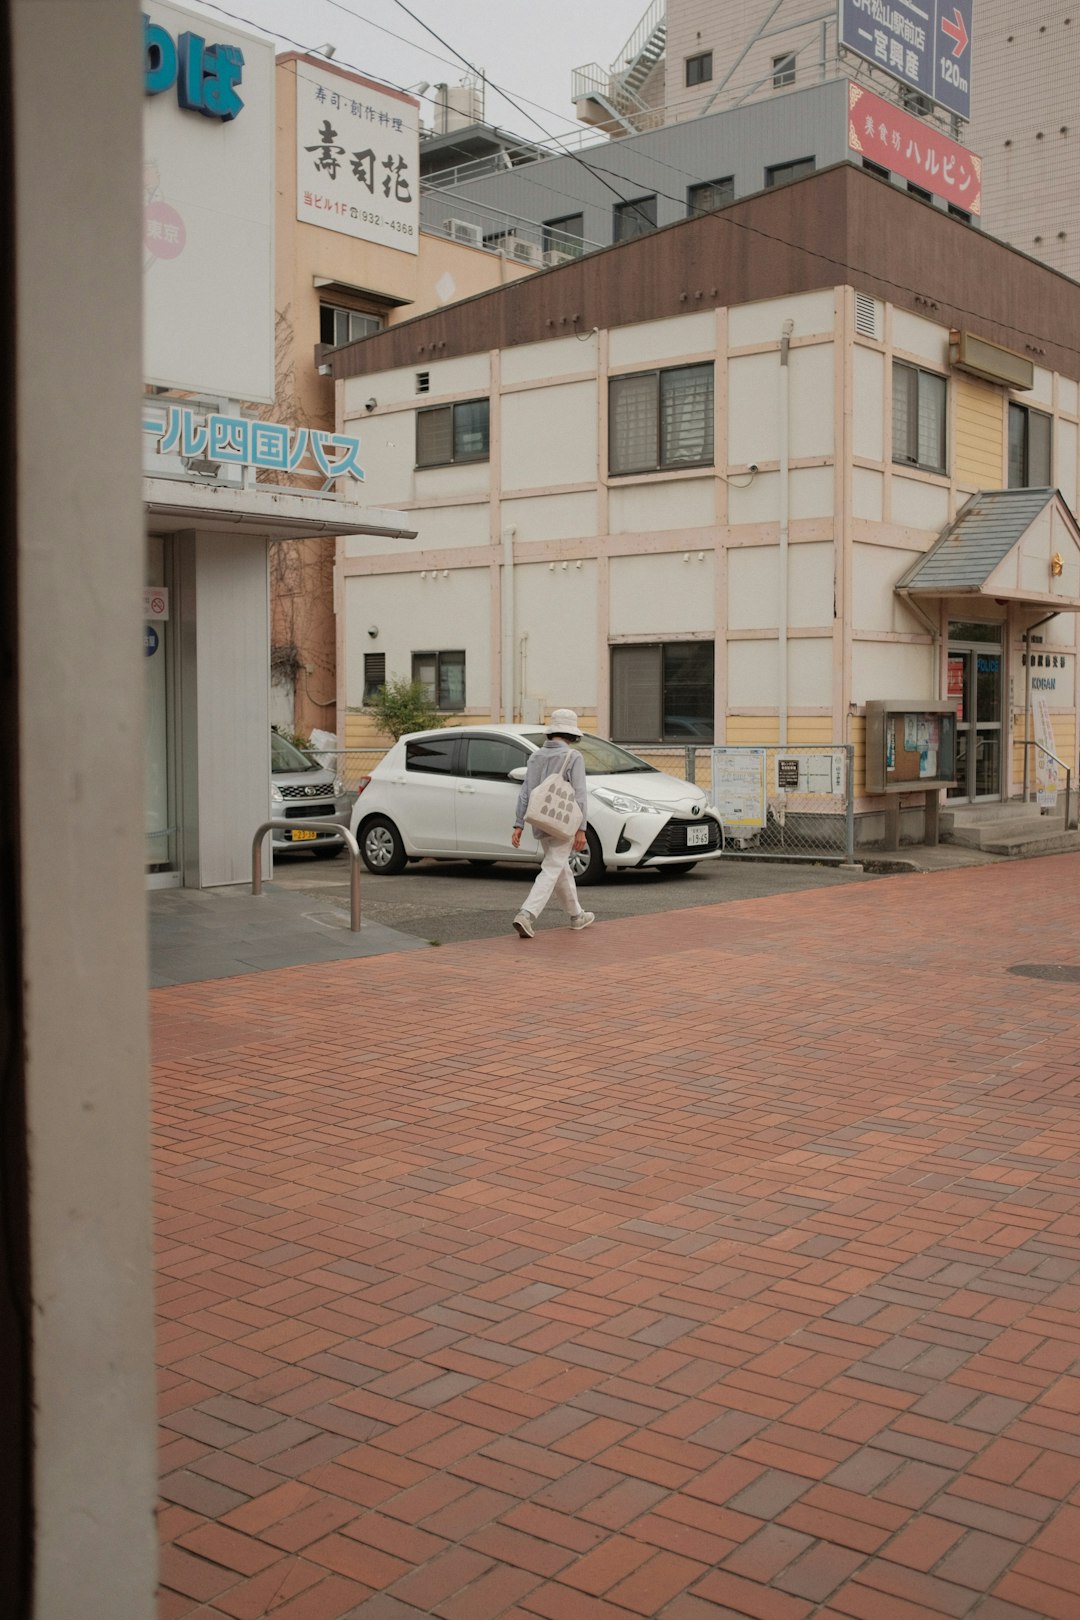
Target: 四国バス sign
206, 76
243, 441
914, 149
926, 44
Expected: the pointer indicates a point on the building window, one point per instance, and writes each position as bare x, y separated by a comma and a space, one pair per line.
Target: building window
337, 325
918, 191
875, 168
565, 235
442, 675
918, 418
635, 218
1029, 448
662, 692
658, 420
710, 195
913, 101
374, 675
698, 69
450, 433
960, 213
781, 174
783, 70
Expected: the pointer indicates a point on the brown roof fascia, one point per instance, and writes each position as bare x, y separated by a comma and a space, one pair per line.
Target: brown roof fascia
840, 226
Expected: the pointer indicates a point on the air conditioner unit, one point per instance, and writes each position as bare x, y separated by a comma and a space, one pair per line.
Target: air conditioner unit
553, 257
460, 230
524, 252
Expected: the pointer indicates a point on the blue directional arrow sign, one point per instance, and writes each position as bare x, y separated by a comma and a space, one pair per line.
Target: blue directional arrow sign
925, 44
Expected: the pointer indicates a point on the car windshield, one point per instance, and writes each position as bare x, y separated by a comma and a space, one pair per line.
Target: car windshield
284, 757
601, 758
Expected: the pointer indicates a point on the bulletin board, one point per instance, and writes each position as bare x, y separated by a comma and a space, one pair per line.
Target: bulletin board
910, 747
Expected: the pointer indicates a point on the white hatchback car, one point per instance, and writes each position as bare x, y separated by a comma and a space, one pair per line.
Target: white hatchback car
452, 794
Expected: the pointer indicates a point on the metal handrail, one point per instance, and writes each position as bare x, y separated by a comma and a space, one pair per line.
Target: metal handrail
1030, 742
322, 825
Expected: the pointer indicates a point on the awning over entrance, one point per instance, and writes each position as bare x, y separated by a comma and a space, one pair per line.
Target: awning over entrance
1014, 545
279, 512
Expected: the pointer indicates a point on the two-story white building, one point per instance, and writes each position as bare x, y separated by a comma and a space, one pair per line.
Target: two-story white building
686, 486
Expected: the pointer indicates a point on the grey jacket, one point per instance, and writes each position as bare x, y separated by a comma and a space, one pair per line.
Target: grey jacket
546, 760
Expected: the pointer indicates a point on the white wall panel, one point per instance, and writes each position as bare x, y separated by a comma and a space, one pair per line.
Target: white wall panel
875, 604
753, 586
762, 323
811, 403
891, 669
1042, 389
549, 436
388, 387
653, 341
1068, 395
419, 615
919, 506
662, 596
754, 673
551, 517
753, 408
441, 527
536, 362
755, 502
641, 508
868, 403
811, 492
867, 490
388, 457
466, 478
556, 609
1064, 468
925, 339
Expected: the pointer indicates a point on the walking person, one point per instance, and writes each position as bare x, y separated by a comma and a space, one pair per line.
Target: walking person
554, 876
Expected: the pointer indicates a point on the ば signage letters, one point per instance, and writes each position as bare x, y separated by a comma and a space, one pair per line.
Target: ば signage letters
206, 76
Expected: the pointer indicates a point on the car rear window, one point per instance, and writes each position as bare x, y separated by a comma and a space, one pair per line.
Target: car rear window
433, 754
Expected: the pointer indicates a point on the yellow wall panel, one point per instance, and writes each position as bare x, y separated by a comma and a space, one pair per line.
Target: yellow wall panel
979, 427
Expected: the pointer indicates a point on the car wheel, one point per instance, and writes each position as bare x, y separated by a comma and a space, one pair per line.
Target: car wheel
588, 864
381, 847
322, 853
679, 870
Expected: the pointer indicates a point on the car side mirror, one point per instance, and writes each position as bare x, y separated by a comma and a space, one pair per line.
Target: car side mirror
518, 773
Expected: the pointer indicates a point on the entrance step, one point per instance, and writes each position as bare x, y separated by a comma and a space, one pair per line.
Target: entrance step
1059, 843
988, 826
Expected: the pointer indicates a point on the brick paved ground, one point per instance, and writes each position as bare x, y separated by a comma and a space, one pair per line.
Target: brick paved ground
717, 1264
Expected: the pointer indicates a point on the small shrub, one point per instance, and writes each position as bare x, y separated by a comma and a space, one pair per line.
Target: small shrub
403, 705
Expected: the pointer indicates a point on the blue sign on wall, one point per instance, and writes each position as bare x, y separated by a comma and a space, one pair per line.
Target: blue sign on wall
151, 641
206, 76
924, 43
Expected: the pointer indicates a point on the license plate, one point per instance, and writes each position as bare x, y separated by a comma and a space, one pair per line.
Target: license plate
696, 836
299, 834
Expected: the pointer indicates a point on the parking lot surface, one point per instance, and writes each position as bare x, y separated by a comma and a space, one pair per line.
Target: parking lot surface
450, 901
709, 1264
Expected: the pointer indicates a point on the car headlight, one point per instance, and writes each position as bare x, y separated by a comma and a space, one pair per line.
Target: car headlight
276, 795
626, 804
339, 787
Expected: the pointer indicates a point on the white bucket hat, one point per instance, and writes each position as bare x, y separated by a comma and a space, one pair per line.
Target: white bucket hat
564, 723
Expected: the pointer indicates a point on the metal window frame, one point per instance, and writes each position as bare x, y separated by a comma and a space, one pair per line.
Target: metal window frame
449, 652
913, 421
659, 466
455, 459
701, 185
774, 170
1028, 411
705, 78
661, 646
621, 210
784, 69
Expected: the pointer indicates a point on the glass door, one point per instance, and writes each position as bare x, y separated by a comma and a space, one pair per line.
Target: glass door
975, 685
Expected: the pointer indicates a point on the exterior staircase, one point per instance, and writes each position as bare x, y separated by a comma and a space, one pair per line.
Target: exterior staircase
1013, 828
602, 96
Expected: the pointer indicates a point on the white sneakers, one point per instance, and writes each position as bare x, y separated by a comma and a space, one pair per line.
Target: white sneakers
524, 921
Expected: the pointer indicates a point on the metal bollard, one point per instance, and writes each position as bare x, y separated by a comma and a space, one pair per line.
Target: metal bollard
319, 826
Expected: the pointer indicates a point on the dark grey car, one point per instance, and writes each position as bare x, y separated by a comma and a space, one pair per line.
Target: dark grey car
301, 788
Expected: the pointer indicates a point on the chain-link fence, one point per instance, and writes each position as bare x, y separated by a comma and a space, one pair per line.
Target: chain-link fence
350, 763
793, 802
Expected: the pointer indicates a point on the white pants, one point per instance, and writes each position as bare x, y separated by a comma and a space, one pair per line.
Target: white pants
554, 877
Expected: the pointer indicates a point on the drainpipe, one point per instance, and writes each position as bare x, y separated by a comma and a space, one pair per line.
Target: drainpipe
782, 606
507, 605
1027, 700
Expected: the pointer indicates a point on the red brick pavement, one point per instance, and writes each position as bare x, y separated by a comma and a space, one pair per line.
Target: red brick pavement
716, 1264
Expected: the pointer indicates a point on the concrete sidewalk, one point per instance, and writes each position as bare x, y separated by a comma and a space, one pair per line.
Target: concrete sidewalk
721, 1263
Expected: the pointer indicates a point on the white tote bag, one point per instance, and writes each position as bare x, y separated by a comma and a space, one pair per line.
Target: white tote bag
553, 807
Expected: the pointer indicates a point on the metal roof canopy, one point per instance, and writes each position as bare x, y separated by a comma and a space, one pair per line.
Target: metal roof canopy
1012, 545
278, 511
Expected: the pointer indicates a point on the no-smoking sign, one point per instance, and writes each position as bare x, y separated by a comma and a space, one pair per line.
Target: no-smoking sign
155, 602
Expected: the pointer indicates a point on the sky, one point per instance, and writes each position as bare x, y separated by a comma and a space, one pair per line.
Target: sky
526, 47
